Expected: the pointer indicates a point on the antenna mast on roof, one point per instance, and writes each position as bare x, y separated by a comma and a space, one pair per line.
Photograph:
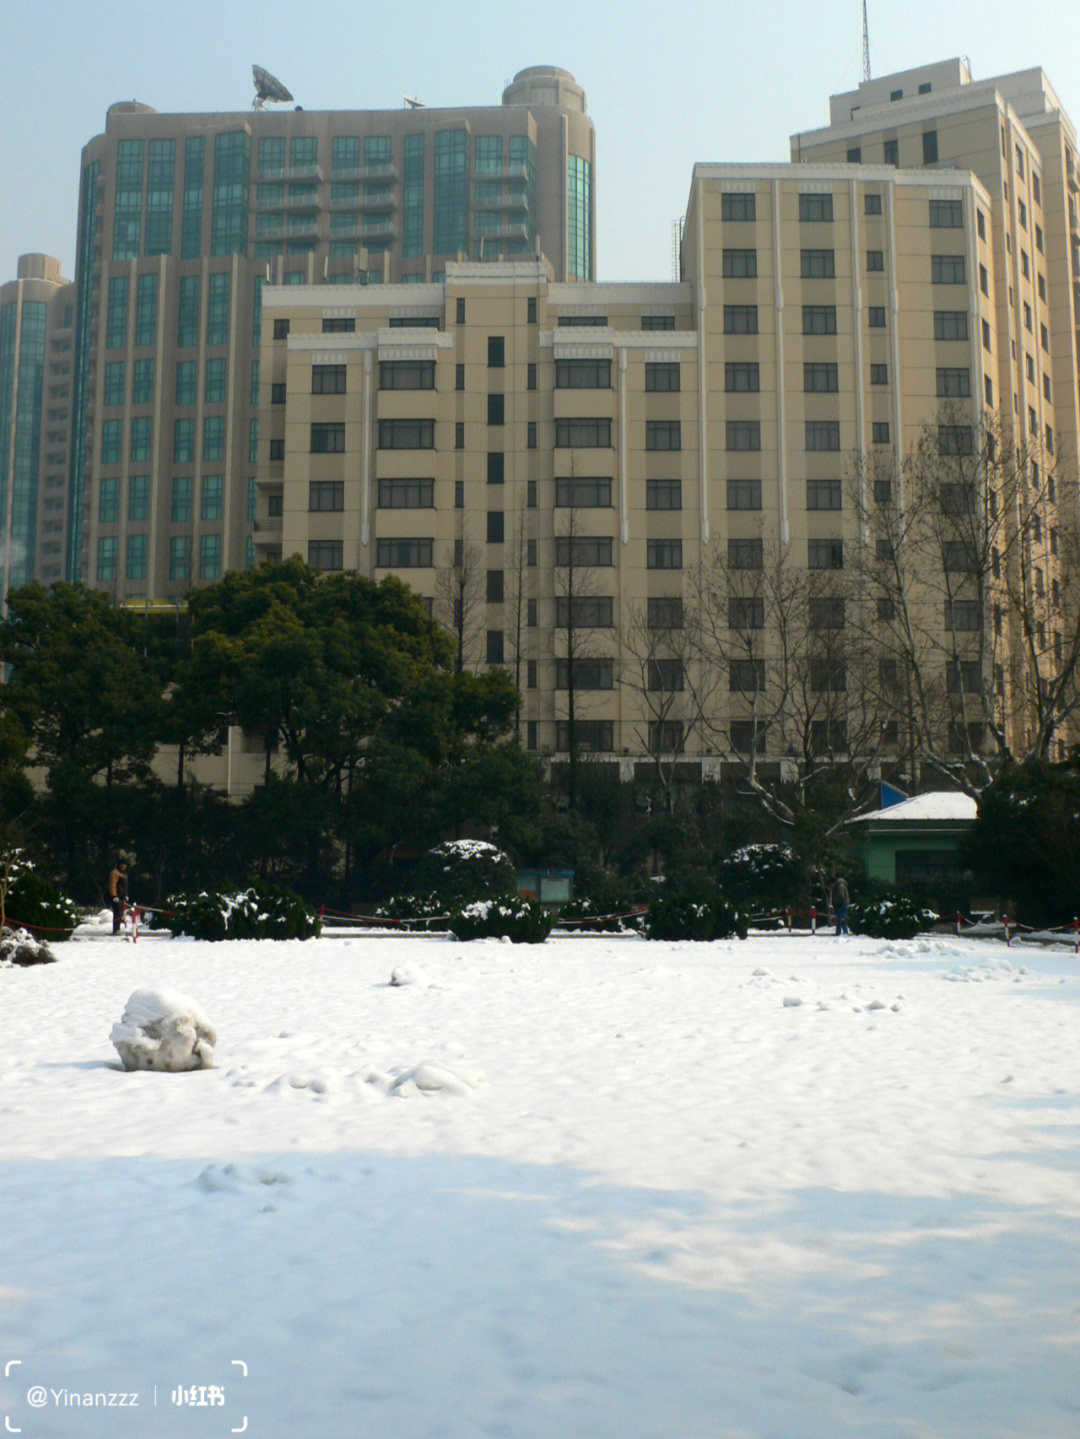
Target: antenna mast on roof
865, 44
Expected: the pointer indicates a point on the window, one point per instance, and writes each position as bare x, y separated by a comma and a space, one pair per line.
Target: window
736, 206
962, 615
180, 557
666, 737
530, 435
872, 204
741, 377
584, 612
326, 554
277, 393
277, 449
815, 208
214, 382
744, 494
494, 648
818, 265
879, 432
329, 379
950, 325
183, 441
459, 435
826, 675
583, 374
496, 409
182, 489
740, 320
597, 736
748, 736
114, 383
879, 374
946, 215
588, 672
746, 612
947, 270
530, 310
886, 609
530, 376
891, 152
403, 434
329, 439
661, 376
876, 317
820, 378
959, 557
106, 558
582, 434
658, 322
854, 155
739, 264
496, 527
587, 322
459, 494
393, 375
582, 492
139, 499
822, 434
825, 554
116, 314
664, 612
210, 502
496, 352
330, 495
663, 554
217, 310
402, 494
109, 502
662, 435
746, 676
404, 554
136, 557
826, 735
746, 554
743, 434
281, 329
929, 147
334, 325
494, 587
586, 551
819, 319
210, 557
956, 440
963, 677
875, 259
824, 495
953, 384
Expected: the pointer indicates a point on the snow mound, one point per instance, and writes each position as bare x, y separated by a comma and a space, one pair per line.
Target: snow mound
18, 946
232, 1178
405, 974
428, 1078
163, 1030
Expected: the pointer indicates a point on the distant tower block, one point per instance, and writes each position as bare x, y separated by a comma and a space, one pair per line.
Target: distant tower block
676, 247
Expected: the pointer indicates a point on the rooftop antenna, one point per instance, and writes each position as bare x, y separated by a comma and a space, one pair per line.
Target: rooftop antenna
865, 45
267, 87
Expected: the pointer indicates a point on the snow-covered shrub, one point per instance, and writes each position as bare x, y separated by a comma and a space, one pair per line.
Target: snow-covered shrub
895, 918
36, 902
680, 917
589, 909
19, 947
520, 920
262, 912
459, 871
416, 911
163, 1030
761, 877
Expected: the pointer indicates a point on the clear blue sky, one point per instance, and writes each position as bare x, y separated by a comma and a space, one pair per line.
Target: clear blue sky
666, 86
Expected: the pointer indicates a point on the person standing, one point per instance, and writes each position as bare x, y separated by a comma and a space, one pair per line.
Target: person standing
118, 888
840, 900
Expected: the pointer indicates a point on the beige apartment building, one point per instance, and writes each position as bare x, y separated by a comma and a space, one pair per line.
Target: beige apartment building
185, 217
567, 472
36, 333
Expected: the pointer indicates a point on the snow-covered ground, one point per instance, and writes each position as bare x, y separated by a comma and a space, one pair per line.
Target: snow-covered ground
780, 1189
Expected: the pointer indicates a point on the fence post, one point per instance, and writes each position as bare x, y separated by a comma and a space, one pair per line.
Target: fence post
1008, 938
813, 919
1076, 934
789, 918
958, 921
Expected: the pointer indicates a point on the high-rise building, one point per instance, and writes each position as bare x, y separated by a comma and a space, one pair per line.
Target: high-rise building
184, 218
36, 324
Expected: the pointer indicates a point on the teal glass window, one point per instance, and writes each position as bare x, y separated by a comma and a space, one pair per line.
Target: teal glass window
186, 392
142, 383
85, 298
412, 199
191, 213
160, 182
345, 153
303, 151
451, 192
217, 310
113, 392
136, 557
181, 499
109, 502
214, 437
271, 155
488, 153
142, 437
180, 557
579, 218
146, 296
214, 386
253, 442
254, 382
112, 441
343, 220
377, 150
252, 500
127, 209
187, 313
256, 310
345, 193
229, 206
106, 558
184, 442
138, 498
116, 313
210, 557
210, 504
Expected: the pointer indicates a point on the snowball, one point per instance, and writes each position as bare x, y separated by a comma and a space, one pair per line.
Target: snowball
404, 974
163, 1030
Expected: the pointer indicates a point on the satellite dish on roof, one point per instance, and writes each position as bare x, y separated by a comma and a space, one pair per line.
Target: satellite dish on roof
267, 87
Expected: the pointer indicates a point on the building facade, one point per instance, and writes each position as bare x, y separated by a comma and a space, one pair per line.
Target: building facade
183, 220
36, 331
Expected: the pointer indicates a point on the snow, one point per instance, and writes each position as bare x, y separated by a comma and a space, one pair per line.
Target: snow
938, 804
163, 1030
598, 1188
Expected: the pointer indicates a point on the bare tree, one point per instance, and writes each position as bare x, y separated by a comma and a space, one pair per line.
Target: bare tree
655, 670
460, 597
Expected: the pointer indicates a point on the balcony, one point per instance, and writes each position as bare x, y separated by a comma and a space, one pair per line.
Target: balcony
518, 201
387, 171
286, 202
505, 231
517, 171
290, 172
